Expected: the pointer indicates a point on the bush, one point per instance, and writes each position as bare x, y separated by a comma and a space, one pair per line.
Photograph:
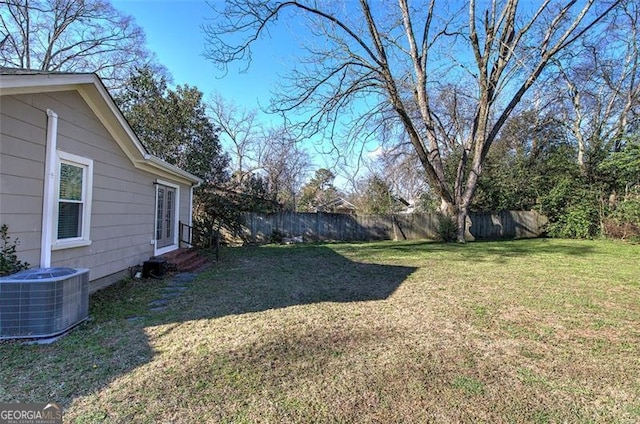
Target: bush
9, 262
578, 221
573, 209
277, 237
628, 210
624, 221
447, 229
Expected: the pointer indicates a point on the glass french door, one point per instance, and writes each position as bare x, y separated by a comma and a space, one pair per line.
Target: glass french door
165, 216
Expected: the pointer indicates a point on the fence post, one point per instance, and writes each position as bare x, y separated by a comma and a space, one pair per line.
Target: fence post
217, 246
253, 227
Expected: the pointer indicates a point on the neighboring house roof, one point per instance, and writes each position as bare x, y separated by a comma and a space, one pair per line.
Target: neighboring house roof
338, 203
93, 91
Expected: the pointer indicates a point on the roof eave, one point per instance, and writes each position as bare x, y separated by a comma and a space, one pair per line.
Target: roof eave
158, 163
93, 91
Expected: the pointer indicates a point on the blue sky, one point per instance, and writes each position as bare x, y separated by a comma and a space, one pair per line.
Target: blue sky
174, 33
173, 30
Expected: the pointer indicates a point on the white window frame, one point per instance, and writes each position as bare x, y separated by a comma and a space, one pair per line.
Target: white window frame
87, 195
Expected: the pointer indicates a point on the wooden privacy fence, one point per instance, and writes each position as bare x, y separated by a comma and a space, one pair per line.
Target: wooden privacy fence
258, 228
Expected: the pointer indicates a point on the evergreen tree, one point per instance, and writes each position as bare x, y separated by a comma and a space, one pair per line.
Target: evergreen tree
318, 192
173, 125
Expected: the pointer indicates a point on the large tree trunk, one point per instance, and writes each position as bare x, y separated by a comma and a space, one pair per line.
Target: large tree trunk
447, 208
461, 221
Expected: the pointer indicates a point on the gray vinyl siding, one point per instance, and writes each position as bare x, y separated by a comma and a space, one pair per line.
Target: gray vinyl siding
22, 152
184, 205
123, 198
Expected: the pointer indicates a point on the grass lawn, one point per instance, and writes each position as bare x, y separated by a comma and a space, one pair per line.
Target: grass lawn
540, 331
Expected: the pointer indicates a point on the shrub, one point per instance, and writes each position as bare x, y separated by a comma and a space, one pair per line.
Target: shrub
624, 221
573, 210
628, 210
277, 236
578, 221
447, 228
9, 262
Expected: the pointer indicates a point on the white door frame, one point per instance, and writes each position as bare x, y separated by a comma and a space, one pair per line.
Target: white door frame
176, 218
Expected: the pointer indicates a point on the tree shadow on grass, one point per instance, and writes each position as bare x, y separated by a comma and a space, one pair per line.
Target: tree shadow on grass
115, 341
273, 278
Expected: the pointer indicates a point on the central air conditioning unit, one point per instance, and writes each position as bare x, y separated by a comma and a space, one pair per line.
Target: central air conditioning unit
43, 302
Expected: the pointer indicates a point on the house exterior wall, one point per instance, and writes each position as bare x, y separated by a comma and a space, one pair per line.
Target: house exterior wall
22, 152
123, 200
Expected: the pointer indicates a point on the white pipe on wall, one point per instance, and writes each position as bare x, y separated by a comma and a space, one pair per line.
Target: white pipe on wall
49, 189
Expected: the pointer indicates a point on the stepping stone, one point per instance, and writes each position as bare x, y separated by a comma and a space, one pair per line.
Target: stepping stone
159, 302
167, 296
184, 277
158, 309
134, 319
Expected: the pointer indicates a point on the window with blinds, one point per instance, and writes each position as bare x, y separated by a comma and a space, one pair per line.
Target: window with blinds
70, 202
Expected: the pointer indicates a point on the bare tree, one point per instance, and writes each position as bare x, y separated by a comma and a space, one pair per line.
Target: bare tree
286, 166
399, 168
71, 36
391, 64
601, 93
240, 131
274, 154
